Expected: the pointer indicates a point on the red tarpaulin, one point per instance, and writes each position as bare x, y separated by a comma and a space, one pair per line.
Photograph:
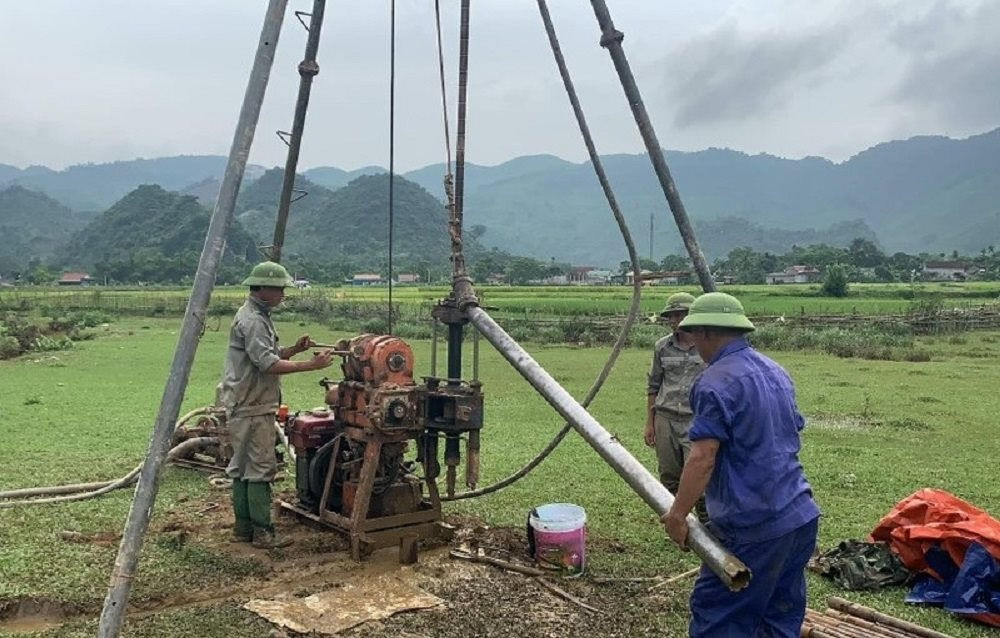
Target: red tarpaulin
931, 517
931, 520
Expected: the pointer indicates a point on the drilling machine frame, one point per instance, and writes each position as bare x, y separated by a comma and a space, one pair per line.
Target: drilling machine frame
351, 471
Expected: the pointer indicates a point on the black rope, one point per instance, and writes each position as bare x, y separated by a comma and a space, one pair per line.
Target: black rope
392, 140
633, 310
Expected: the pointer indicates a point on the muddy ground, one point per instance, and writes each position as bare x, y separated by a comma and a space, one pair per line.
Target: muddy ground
479, 600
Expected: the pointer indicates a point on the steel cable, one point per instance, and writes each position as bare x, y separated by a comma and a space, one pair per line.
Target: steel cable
392, 141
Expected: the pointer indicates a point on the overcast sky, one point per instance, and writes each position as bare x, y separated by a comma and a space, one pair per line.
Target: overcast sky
107, 80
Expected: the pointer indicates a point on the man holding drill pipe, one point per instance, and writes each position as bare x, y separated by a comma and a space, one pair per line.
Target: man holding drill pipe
744, 459
250, 392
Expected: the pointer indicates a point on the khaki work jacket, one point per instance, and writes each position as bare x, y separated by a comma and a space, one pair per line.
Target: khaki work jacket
671, 376
247, 390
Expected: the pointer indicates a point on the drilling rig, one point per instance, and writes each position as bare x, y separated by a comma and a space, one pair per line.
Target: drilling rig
351, 469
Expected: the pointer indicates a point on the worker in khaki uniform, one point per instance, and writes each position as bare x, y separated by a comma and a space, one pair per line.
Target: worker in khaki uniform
250, 392
676, 364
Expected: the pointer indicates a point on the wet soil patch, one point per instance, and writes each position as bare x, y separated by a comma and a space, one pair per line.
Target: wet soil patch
26, 615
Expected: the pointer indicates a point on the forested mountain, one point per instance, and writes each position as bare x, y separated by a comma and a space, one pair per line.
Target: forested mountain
152, 235
347, 229
257, 204
922, 194
32, 226
205, 191
718, 236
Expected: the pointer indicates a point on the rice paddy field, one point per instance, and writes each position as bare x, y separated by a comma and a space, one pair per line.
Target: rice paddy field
537, 301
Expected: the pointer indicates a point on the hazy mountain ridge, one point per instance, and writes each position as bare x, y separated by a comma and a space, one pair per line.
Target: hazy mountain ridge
98, 186
928, 193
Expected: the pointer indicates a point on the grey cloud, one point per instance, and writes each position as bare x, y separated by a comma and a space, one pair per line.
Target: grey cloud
954, 63
729, 75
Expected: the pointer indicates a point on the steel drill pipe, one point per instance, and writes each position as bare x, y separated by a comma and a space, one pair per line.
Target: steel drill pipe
127, 559
727, 567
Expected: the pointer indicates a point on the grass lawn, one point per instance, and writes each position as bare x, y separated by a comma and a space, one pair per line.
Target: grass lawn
878, 431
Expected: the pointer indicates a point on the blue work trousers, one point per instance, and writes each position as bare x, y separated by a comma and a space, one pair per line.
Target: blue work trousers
773, 605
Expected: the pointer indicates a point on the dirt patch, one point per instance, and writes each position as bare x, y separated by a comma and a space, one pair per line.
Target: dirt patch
480, 600
486, 601
27, 615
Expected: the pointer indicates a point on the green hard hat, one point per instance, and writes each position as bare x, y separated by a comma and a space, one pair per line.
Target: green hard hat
717, 310
268, 273
677, 302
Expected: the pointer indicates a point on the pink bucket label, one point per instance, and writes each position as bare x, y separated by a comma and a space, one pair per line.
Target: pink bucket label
562, 551
560, 537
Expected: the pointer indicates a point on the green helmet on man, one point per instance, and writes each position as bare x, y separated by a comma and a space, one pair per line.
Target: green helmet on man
677, 302
717, 310
269, 273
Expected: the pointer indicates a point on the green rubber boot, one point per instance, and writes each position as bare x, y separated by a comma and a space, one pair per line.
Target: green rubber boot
243, 530
259, 496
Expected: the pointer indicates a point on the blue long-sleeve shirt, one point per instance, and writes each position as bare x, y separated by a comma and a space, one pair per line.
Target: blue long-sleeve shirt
758, 490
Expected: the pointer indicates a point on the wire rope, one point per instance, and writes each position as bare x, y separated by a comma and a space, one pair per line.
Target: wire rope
392, 142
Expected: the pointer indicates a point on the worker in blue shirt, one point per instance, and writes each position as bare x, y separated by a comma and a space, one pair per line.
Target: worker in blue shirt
744, 459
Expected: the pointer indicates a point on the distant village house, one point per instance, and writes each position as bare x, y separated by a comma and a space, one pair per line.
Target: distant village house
366, 279
945, 271
793, 275
578, 274
408, 278
652, 278
75, 279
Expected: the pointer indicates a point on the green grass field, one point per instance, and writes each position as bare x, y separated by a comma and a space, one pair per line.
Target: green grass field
878, 431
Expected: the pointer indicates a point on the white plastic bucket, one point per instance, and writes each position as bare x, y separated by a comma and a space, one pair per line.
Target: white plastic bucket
560, 532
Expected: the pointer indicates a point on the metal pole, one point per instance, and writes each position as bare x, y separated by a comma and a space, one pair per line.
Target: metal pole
194, 320
611, 39
727, 567
455, 337
461, 283
308, 69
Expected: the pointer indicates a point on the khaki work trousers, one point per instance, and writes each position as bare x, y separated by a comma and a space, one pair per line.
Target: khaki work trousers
672, 447
253, 439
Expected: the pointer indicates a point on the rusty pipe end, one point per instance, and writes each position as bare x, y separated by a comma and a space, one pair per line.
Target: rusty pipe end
739, 575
